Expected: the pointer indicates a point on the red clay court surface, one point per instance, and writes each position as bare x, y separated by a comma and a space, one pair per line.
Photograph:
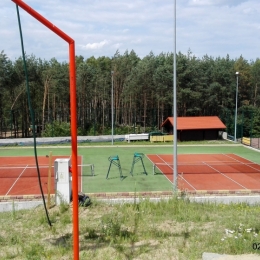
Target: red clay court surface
210, 172
18, 175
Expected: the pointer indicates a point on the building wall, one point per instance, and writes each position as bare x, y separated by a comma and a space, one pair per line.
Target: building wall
193, 135
211, 134
197, 135
168, 128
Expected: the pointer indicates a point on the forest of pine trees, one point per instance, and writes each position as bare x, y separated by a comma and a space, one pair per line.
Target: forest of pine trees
143, 93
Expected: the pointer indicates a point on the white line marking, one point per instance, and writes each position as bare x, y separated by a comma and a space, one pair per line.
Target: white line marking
159, 169
247, 164
172, 171
16, 180
225, 175
19, 167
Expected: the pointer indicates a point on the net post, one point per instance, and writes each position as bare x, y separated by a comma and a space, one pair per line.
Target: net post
92, 170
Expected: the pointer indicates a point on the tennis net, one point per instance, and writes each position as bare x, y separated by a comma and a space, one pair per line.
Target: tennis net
45, 171
207, 167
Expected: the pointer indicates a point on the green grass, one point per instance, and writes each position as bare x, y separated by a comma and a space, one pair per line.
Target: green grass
98, 155
169, 229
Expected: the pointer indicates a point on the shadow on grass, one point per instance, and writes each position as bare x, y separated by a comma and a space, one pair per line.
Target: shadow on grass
139, 174
64, 241
159, 173
121, 178
130, 249
88, 175
126, 242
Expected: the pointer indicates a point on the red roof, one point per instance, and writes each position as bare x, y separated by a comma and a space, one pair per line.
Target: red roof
196, 122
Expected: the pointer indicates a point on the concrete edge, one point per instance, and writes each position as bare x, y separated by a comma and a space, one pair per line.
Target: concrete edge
251, 200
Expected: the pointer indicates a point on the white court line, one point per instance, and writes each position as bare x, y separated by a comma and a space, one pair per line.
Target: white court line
160, 170
172, 171
225, 176
22, 167
16, 180
247, 164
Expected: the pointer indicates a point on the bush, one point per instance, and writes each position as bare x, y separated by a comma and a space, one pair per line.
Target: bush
57, 129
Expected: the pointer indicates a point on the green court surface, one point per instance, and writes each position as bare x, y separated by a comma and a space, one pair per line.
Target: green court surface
139, 182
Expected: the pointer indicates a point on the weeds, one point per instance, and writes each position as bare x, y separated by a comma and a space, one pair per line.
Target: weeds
143, 230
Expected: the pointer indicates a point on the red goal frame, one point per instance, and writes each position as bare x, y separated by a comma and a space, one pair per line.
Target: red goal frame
73, 115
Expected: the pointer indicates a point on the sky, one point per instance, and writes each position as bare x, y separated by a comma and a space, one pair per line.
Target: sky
215, 28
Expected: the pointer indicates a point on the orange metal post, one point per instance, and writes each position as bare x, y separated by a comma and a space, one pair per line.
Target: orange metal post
73, 114
43, 20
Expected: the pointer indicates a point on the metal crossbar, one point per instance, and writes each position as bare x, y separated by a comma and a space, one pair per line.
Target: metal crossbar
155, 165
92, 168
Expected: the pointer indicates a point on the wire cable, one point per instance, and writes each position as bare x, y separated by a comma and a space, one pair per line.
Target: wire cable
32, 116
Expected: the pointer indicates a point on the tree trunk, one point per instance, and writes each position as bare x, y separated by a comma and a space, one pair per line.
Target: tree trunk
45, 94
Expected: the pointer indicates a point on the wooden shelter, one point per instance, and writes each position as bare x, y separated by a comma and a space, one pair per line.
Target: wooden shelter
195, 128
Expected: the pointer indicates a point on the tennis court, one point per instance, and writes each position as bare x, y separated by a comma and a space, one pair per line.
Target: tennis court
19, 177
210, 172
